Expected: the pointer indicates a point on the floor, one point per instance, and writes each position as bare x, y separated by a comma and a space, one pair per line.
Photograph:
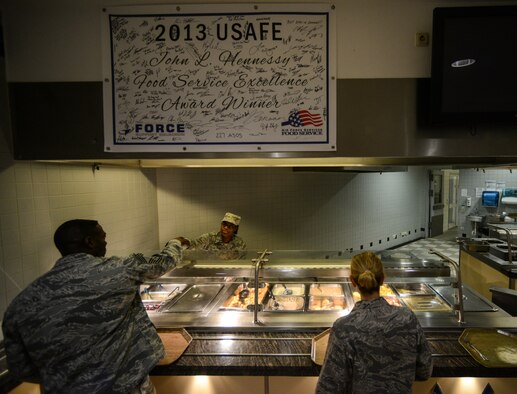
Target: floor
444, 243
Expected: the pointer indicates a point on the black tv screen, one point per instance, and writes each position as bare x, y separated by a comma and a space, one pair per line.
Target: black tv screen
474, 64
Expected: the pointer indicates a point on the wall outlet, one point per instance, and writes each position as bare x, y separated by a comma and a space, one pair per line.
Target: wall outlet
421, 39
469, 201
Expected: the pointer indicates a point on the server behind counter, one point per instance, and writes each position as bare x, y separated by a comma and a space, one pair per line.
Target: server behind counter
225, 243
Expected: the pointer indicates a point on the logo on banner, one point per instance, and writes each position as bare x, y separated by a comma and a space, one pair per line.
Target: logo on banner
307, 122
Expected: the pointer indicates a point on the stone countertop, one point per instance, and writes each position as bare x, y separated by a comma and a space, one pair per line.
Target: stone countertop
289, 354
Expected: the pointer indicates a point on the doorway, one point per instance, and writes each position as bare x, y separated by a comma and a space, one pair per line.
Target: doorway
451, 182
443, 201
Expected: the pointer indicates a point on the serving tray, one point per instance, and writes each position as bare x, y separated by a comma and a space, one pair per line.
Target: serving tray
319, 347
175, 341
491, 348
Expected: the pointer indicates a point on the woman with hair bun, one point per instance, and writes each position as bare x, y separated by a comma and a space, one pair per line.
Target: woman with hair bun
377, 348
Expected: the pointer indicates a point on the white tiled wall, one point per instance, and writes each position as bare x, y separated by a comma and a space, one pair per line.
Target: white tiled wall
141, 209
282, 209
36, 198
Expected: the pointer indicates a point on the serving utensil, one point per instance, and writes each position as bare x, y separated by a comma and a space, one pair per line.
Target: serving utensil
286, 290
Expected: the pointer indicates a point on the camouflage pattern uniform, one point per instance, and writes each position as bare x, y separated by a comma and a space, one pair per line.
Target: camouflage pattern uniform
82, 327
213, 242
377, 348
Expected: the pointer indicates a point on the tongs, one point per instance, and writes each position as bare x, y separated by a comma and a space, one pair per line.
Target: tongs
245, 292
287, 291
275, 305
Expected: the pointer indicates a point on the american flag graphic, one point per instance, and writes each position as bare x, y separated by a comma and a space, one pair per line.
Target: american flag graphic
303, 118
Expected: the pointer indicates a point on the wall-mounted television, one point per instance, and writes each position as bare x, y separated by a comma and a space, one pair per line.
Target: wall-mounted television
474, 63
490, 199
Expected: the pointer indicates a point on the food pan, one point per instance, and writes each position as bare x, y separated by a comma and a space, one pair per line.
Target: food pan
327, 303
426, 304
236, 301
289, 289
412, 289
326, 289
195, 299
155, 296
286, 304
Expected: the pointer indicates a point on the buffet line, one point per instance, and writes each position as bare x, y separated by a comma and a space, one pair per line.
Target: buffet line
308, 290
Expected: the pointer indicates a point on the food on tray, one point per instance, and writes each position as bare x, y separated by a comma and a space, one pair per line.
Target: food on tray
385, 290
294, 289
320, 303
236, 301
356, 296
286, 303
326, 289
406, 289
391, 299
152, 306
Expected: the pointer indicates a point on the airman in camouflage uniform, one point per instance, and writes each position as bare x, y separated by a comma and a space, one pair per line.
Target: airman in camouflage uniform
82, 327
224, 243
378, 347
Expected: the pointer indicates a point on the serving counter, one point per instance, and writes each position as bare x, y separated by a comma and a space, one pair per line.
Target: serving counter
257, 317
299, 294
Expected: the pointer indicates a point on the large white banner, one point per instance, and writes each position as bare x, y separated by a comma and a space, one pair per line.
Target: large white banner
220, 78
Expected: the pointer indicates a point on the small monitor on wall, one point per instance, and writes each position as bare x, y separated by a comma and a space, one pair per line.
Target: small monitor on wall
473, 69
490, 199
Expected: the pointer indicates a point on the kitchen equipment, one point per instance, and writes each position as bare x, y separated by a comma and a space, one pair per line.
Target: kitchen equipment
195, 299
426, 304
327, 303
245, 292
415, 289
397, 255
475, 245
286, 303
326, 289
236, 302
471, 301
286, 290
273, 303
295, 289
175, 341
156, 296
501, 251
490, 347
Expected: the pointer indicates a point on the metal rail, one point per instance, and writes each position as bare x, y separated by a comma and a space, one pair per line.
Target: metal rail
458, 307
258, 263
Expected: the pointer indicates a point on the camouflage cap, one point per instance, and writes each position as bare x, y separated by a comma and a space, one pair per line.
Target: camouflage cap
231, 218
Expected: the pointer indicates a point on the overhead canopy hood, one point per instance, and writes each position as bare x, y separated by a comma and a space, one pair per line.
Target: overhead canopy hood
336, 164
353, 169
380, 127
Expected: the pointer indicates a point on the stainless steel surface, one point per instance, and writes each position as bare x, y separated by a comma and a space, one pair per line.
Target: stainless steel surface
472, 301
195, 299
412, 289
312, 272
475, 218
458, 301
508, 229
258, 263
396, 255
385, 110
504, 253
